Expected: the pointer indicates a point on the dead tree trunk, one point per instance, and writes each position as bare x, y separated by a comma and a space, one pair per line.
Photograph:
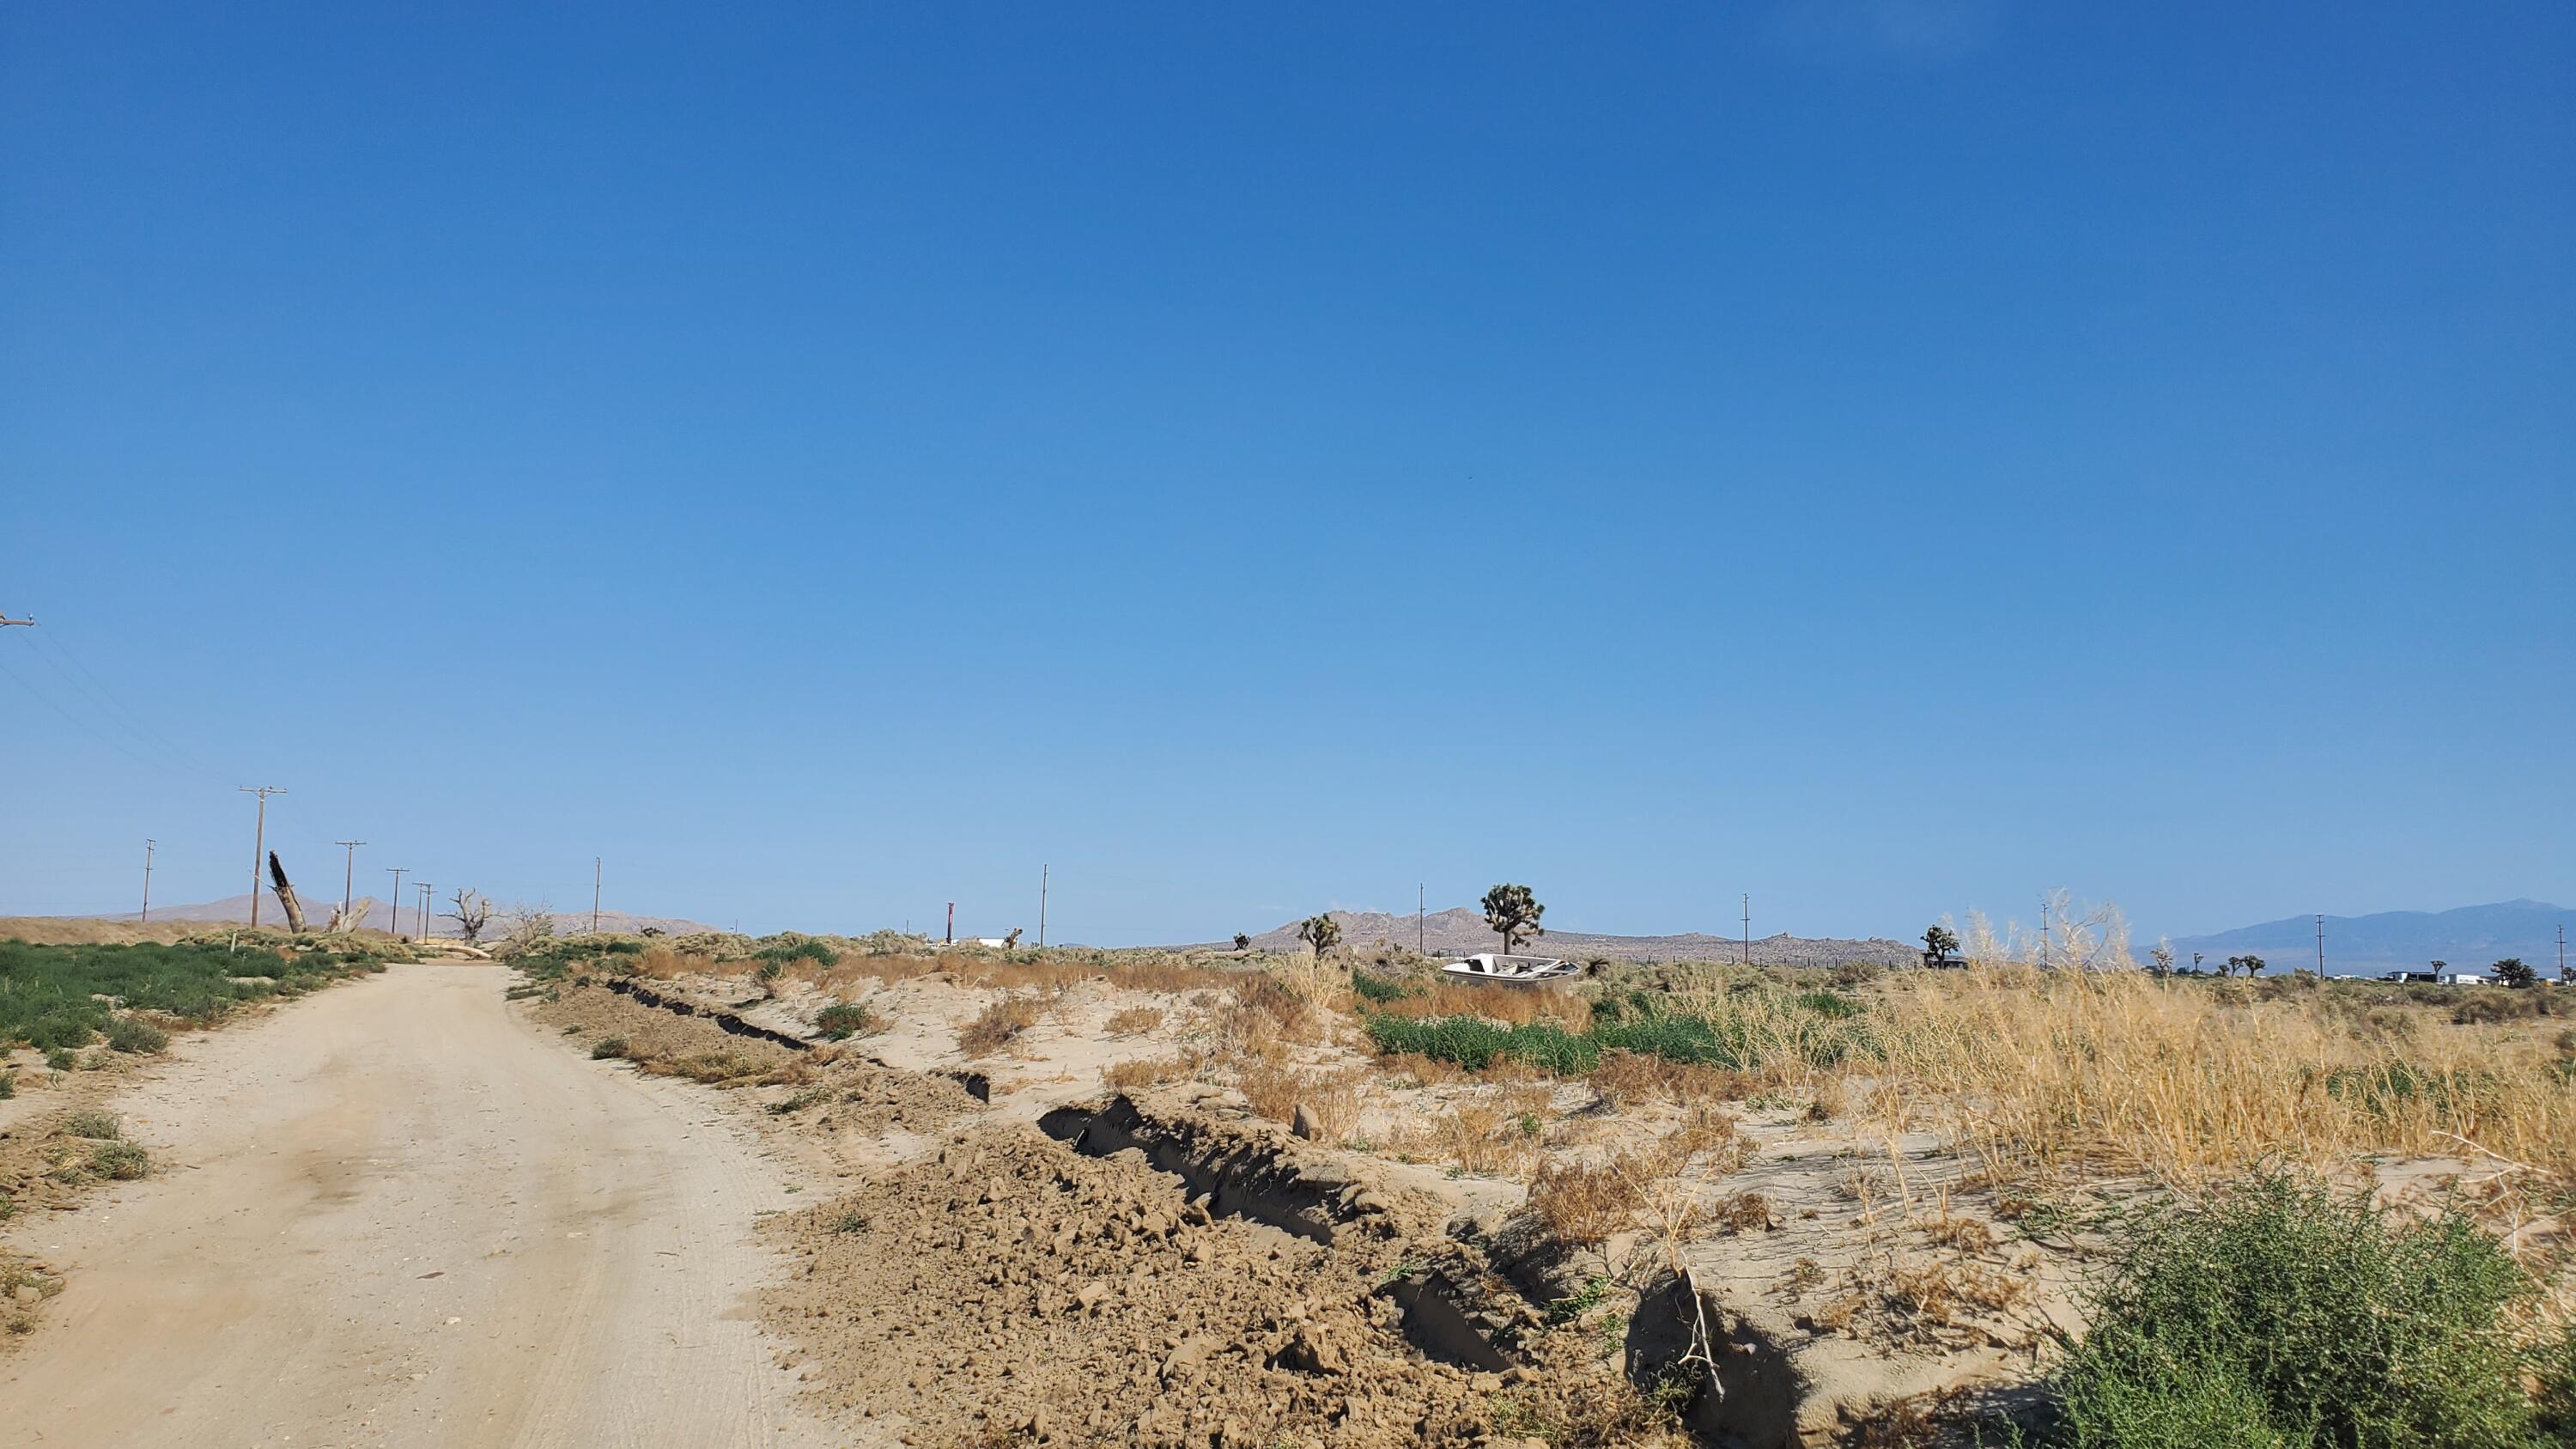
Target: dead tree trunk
286, 895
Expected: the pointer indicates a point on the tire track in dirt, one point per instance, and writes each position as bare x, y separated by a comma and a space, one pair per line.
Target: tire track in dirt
394, 1214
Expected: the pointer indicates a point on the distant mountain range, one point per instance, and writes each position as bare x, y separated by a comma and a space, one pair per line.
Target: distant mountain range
1461, 931
2472, 936
378, 915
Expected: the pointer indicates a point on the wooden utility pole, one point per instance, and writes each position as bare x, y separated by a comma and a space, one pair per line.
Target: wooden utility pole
594, 895
2043, 933
2321, 946
259, 844
395, 925
1748, 928
424, 888
5, 620
1042, 903
1421, 918
147, 903
952, 923
349, 882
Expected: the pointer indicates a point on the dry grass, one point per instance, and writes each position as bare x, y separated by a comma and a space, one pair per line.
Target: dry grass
999, 1025
2117, 1074
1584, 1203
1626, 1078
1135, 1021
1139, 1072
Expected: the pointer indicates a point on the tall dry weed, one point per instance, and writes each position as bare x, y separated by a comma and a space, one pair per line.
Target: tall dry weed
2120, 1073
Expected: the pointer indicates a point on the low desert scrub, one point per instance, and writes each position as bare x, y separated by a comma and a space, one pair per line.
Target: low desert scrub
608, 1048
120, 1161
92, 1123
844, 1019
1135, 1021
1582, 1203
2117, 1073
136, 1036
2281, 1314
1626, 1077
998, 1025
1437, 996
1136, 1072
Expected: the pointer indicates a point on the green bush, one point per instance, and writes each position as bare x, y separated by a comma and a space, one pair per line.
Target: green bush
60, 1059
2554, 1403
1380, 990
127, 1034
8, 1085
92, 1123
842, 1020
607, 1047
121, 1161
807, 949
1473, 1042
2284, 1316
58, 996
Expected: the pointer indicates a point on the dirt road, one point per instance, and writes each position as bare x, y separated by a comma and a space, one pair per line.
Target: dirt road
397, 1214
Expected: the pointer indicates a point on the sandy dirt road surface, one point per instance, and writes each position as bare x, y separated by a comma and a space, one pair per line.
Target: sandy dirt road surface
396, 1213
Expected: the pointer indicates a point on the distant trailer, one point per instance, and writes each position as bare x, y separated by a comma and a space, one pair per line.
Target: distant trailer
1492, 968
2462, 978
2426, 978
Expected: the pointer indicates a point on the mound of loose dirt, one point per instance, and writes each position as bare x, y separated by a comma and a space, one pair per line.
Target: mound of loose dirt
665, 1042
1011, 1289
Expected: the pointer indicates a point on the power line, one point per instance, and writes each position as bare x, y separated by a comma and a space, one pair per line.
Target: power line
52, 638
75, 721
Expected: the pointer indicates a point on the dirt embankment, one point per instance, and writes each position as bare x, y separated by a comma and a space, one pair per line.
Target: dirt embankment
1160, 1270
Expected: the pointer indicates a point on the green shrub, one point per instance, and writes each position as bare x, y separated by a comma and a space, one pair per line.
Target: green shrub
60, 1059
2284, 1316
93, 1123
1473, 1042
120, 1161
128, 1034
608, 1047
2554, 1402
842, 1020
1380, 990
57, 996
1828, 1003
8, 1085
808, 949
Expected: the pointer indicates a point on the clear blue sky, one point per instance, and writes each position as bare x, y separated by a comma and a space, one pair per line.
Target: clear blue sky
1888, 457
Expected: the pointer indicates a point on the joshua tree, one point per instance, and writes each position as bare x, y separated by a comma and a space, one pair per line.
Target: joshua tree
1320, 932
2195, 963
2251, 965
1011, 942
2163, 956
1513, 912
1242, 942
2512, 972
472, 914
1940, 943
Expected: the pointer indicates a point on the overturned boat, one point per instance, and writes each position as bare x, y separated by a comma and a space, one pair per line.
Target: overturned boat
1512, 970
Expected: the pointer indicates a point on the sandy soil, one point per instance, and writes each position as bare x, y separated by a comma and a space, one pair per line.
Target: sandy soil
397, 1214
